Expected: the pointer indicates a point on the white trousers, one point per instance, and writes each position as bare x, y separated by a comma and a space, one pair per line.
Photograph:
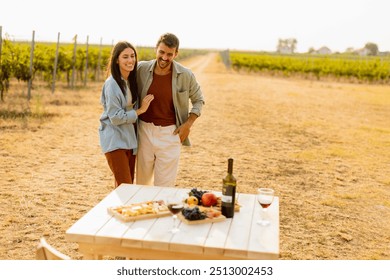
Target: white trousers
158, 155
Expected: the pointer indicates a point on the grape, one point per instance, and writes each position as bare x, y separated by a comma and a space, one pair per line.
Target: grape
197, 193
193, 214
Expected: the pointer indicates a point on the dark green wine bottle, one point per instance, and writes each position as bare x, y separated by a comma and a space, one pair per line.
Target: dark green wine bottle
228, 192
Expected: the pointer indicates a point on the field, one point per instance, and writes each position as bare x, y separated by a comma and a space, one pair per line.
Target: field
324, 146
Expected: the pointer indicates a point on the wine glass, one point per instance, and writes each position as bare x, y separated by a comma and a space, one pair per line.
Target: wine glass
265, 196
175, 205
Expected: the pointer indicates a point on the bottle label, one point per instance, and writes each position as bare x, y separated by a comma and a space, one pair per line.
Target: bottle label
227, 198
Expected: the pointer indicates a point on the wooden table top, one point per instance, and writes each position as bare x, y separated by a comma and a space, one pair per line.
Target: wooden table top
98, 233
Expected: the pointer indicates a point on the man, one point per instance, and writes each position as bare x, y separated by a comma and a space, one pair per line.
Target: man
167, 123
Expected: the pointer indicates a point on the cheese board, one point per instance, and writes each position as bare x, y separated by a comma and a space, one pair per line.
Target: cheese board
138, 211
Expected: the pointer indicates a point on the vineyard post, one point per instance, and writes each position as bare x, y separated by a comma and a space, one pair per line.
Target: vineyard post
55, 64
1, 44
389, 69
99, 61
86, 64
226, 58
1, 40
74, 61
31, 66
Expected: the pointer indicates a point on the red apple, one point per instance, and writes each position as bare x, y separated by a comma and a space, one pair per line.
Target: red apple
209, 199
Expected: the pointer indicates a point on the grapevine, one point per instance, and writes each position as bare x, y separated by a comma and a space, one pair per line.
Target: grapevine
15, 61
367, 69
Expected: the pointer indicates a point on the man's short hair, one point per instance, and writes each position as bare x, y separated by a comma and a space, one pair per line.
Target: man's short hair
170, 40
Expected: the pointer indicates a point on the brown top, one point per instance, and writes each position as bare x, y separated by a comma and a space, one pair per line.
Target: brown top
161, 110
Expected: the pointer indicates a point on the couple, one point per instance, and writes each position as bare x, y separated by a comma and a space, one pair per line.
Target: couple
155, 95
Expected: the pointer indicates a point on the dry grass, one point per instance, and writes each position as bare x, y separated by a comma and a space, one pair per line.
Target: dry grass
324, 147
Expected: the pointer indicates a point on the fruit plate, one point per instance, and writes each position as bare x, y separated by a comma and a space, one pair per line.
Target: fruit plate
199, 193
210, 214
139, 211
204, 221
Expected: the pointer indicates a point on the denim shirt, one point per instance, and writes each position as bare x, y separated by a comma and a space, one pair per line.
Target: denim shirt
116, 129
184, 88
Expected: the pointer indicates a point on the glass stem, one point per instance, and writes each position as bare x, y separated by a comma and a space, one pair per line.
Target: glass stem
174, 221
264, 213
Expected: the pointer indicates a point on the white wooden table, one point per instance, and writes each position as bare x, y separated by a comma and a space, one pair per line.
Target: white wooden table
100, 234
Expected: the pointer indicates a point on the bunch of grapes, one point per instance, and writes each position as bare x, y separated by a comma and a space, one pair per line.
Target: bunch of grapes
193, 214
197, 193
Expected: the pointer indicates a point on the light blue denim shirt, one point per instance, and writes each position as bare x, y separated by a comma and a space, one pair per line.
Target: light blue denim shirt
116, 129
185, 88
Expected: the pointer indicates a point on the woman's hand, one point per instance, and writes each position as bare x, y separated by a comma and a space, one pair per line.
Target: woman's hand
145, 104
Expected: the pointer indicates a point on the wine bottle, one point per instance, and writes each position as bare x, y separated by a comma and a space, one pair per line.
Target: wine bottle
229, 184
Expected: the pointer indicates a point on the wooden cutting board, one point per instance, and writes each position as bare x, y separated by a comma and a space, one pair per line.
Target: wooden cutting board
140, 211
236, 206
204, 221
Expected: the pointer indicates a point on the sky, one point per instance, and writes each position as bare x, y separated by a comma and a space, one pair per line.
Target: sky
205, 24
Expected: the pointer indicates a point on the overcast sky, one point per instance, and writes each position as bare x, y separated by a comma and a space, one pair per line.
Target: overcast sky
220, 24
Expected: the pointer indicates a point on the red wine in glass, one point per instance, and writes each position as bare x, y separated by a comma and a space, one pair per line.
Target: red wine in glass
175, 208
265, 204
265, 196
175, 205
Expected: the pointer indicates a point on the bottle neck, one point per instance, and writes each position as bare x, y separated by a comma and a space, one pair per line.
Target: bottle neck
230, 166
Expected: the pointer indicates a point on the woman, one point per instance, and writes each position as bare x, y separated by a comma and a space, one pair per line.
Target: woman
117, 131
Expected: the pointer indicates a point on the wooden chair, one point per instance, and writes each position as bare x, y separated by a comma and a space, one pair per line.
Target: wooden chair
47, 252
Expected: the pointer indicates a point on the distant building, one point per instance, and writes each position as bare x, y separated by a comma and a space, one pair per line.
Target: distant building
286, 46
285, 50
324, 51
362, 52
384, 53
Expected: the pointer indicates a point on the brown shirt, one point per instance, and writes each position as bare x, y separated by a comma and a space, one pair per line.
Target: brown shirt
161, 110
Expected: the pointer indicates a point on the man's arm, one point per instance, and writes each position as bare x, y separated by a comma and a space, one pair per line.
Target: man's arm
184, 129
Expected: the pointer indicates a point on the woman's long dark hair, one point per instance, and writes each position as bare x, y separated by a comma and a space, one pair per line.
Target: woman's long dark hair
113, 69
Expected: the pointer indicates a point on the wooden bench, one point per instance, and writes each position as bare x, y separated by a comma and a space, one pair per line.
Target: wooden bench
47, 252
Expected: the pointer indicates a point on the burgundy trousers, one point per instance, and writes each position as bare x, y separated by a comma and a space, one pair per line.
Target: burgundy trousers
122, 165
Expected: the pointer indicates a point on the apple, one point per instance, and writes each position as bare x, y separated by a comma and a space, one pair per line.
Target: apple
209, 199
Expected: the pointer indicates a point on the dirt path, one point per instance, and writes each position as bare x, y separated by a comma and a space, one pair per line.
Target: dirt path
323, 146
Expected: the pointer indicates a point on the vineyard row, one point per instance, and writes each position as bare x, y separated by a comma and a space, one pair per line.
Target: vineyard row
365, 69
71, 62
